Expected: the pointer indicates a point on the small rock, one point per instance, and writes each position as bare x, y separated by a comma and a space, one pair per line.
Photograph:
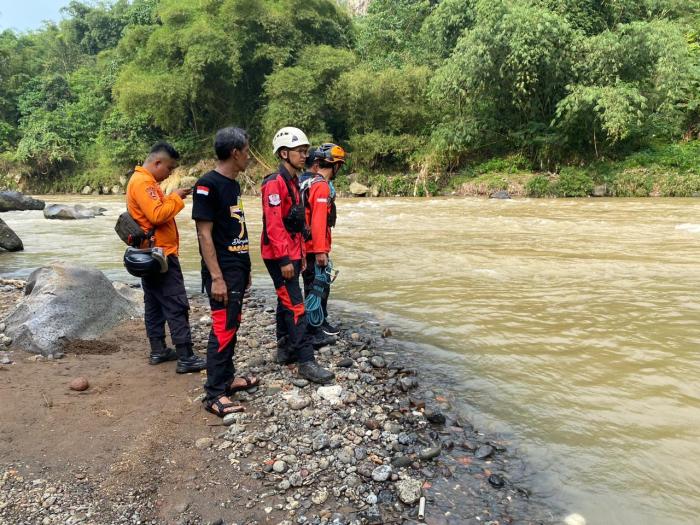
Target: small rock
483, 452
408, 383
203, 443
435, 417
386, 332
381, 473
430, 453
320, 442
181, 507
300, 382
401, 461
496, 481
345, 363
298, 403
378, 361
330, 393
320, 496
79, 384
279, 466
409, 490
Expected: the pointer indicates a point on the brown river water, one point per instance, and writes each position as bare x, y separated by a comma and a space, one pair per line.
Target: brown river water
571, 326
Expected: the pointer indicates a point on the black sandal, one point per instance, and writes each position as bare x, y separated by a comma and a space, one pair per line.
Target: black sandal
221, 407
248, 384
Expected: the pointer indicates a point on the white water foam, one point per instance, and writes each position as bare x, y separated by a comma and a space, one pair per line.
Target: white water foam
689, 227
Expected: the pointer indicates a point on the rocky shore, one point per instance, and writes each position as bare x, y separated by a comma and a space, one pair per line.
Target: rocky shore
376, 446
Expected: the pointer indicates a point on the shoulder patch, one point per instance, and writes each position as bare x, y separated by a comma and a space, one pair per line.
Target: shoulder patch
202, 190
274, 199
152, 193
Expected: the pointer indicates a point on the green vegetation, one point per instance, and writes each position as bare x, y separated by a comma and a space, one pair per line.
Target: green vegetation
541, 97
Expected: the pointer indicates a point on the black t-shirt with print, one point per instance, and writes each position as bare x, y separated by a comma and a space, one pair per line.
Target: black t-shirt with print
218, 199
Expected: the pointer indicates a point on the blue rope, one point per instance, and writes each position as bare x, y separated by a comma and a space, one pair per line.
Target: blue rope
320, 286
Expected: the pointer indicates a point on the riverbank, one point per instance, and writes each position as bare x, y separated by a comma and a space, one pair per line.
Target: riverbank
669, 170
136, 447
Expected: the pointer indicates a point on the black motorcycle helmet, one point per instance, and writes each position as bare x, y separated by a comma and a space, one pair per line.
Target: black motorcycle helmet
142, 263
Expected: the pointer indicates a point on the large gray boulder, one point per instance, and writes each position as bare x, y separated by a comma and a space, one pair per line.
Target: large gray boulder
358, 190
8, 239
14, 201
66, 212
66, 302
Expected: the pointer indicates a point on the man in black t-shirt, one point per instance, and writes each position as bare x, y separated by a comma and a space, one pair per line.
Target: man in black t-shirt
223, 244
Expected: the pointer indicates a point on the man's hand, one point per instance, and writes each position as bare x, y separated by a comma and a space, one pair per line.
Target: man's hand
218, 290
322, 259
183, 192
303, 264
287, 271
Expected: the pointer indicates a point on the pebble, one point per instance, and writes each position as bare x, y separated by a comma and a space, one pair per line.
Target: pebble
409, 490
279, 466
378, 362
430, 453
381, 473
330, 393
483, 452
298, 403
344, 363
79, 384
203, 443
320, 496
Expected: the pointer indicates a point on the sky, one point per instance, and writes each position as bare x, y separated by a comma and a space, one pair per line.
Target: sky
26, 15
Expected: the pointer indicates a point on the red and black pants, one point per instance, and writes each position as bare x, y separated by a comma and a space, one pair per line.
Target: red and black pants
290, 315
225, 321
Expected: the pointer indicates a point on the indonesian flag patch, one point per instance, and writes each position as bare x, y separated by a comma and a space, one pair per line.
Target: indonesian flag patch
202, 190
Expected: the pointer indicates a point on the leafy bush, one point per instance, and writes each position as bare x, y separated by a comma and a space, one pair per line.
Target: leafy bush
680, 185
573, 183
537, 186
633, 183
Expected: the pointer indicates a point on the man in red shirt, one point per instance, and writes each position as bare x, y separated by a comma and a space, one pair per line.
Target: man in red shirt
324, 164
282, 247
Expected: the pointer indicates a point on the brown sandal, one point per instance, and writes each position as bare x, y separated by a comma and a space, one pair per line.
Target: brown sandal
250, 382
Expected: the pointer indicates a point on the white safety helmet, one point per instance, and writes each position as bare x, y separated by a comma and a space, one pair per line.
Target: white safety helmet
289, 137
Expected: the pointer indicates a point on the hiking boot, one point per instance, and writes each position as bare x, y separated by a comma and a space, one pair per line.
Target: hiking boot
285, 354
319, 339
329, 329
160, 353
315, 373
187, 360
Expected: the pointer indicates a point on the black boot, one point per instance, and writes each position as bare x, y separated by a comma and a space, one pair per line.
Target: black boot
315, 373
319, 339
159, 352
187, 360
285, 354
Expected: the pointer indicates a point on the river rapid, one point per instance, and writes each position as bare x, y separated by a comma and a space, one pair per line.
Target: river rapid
572, 327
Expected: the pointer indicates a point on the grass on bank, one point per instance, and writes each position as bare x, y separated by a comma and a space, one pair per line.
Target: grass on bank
670, 170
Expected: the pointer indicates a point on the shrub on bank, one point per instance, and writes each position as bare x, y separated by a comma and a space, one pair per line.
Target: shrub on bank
637, 182
572, 182
680, 185
538, 186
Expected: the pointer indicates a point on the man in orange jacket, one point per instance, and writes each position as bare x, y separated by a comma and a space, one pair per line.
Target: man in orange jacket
164, 294
324, 164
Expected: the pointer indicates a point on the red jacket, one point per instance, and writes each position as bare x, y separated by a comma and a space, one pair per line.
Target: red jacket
318, 210
277, 243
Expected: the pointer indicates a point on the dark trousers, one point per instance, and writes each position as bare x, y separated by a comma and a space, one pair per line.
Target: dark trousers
309, 274
165, 299
225, 321
291, 316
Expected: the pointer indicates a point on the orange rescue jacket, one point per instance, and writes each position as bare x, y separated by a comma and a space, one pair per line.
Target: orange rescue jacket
150, 208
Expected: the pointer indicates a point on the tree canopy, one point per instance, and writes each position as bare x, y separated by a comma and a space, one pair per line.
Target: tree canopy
411, 85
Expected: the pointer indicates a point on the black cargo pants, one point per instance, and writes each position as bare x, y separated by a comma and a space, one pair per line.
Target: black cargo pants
165, 299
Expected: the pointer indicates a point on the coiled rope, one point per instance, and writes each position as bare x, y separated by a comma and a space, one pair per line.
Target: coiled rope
319, 288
